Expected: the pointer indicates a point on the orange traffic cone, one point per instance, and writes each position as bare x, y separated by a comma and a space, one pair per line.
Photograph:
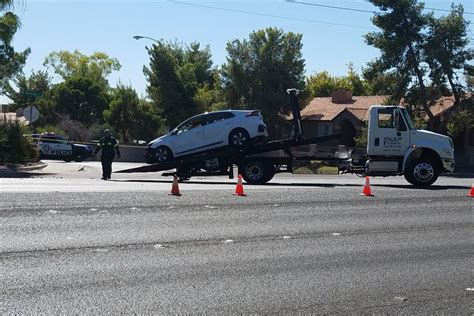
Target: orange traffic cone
175, 187
366, 191
239, 189
471, 192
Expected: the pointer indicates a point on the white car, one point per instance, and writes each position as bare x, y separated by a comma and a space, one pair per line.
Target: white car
207, 131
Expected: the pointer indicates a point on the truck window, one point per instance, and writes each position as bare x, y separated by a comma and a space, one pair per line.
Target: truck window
408, 119
401, 123
385, 118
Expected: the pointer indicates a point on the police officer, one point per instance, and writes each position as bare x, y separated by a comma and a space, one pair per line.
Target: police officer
109, 147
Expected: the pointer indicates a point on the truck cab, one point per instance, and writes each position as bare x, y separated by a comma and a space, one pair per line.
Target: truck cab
396, 147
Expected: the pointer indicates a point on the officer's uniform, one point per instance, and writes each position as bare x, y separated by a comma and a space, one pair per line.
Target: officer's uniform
109, 147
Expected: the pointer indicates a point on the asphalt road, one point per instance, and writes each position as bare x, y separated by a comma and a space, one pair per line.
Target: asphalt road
71, 243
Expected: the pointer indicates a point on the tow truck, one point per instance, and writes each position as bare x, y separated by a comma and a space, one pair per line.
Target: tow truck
394, 147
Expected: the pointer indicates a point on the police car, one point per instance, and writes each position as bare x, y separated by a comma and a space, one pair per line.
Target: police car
56, 147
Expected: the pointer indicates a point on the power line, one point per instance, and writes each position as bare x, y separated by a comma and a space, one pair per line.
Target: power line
329, 6
352, 9
446, 10
270, 15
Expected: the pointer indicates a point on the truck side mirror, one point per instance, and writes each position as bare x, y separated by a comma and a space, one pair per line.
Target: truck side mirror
396, 119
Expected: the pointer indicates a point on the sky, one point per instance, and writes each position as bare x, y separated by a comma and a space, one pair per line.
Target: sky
332, 38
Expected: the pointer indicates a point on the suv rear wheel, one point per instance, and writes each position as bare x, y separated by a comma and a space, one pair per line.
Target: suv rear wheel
238, 138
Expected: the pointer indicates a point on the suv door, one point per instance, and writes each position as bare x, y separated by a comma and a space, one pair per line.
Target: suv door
217, 128
188, 137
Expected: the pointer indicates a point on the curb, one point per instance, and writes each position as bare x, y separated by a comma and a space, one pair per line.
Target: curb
21, 168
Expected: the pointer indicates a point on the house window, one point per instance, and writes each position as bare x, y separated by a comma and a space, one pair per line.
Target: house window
324, 129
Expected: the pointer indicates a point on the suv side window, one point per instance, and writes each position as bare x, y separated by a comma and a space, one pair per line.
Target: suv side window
190, 124
215, 117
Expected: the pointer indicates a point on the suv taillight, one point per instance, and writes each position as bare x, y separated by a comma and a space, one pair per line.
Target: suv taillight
253, 113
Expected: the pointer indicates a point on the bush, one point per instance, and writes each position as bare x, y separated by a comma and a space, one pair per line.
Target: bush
14, 147
315, 167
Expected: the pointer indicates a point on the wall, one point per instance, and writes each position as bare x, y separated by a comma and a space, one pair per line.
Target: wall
128, 154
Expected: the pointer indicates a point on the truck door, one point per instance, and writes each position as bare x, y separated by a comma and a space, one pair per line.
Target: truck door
388, 132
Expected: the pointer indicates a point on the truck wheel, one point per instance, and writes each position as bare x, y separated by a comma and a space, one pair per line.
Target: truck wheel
257, 172
238, 138
422, 173
163, 154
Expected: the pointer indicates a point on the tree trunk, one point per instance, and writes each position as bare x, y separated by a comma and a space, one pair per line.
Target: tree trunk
457, 96
124, 135
419, 75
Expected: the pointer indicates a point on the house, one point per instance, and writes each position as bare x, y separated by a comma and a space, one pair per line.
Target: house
341, 113
12, 116
442, 109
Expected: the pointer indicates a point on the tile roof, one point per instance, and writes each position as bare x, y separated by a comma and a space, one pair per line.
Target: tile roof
443, 104
324, 109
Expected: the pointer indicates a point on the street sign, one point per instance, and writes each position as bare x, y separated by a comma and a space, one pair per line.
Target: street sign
33, 94
31, 113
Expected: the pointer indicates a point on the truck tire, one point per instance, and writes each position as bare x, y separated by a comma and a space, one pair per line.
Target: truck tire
257, 171
422, 172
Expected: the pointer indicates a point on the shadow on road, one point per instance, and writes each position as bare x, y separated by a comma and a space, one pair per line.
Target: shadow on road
303, 185
459, 175
19, 174
231, 184
430, 188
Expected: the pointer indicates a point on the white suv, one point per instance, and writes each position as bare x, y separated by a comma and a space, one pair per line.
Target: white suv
208, 131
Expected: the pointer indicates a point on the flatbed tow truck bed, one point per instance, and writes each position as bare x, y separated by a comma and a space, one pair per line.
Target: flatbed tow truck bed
257, 163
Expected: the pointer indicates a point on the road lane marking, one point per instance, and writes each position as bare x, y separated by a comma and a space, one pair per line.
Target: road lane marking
101, 250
